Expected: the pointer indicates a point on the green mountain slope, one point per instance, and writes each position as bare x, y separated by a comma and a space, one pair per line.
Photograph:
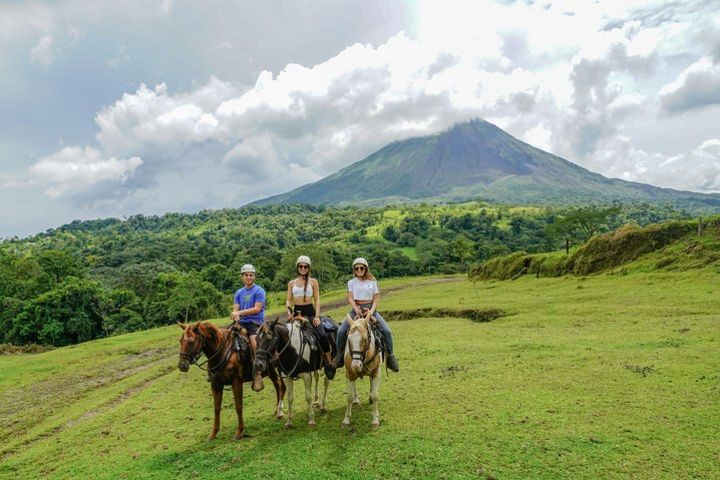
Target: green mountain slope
476, 159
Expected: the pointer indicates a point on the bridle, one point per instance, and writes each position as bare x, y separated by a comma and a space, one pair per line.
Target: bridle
360, 355
192, 358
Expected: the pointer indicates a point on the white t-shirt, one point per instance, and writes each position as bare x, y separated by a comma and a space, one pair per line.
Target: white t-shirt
363, 289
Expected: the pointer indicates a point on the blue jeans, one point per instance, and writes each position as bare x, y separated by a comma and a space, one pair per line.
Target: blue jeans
342, 332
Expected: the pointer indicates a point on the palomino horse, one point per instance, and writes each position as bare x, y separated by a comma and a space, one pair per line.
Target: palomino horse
283, 344
362, 357
225, 367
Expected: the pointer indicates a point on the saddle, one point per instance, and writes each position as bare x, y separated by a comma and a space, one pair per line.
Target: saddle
308, 333
329, 324
241, 345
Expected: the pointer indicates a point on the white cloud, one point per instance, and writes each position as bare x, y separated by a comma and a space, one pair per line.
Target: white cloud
698, 170
74, 169
697, 86
42, 53
569, 83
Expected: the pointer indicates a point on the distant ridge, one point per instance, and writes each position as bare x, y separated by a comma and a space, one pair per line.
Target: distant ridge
477, 159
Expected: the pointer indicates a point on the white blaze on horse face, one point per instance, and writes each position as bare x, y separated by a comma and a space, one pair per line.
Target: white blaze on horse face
354, 344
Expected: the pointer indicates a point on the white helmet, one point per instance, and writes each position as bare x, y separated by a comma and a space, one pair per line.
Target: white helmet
303, 259
360, 261
247, 268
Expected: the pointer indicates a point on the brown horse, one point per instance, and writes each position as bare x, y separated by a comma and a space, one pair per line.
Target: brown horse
362, 357
225, 367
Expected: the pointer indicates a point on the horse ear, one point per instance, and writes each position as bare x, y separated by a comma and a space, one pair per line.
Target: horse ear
182, 325
348, 320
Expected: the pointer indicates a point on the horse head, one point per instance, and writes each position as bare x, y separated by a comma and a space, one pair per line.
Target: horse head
266, 344
191, 343
195, 340
358, 342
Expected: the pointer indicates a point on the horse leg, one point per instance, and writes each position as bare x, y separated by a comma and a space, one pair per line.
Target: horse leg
356, 399
374, 397
308, 379
289, 385
351, 396
279, 392
316, 376
237, 388
323, 403
217, 400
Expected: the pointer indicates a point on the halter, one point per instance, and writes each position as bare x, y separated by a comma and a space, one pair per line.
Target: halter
192, 358
360, 354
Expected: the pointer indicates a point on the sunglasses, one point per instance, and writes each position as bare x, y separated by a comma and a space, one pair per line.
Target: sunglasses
304, 267
359, 269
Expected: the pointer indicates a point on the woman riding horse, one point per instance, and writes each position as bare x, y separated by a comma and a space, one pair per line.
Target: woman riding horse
303, 297
363, 293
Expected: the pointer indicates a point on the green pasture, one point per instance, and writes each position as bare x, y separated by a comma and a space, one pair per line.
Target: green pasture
608, 376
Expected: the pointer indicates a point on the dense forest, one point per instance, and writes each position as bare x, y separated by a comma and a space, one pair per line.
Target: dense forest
89, 279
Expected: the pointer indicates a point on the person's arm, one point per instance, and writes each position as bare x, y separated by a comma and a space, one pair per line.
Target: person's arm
235, 315
351, 301
316, 298
254, 310
289, 300
376, 300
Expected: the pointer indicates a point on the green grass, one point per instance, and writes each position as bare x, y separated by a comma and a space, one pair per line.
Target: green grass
610, 376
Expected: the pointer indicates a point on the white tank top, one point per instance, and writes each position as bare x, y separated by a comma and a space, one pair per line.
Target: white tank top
298, 291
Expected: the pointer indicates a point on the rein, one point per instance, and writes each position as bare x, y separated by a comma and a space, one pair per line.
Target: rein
276, 356
193, 358
360, 354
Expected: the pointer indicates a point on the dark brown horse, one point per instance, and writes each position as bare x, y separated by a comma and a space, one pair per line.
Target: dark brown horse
225, 367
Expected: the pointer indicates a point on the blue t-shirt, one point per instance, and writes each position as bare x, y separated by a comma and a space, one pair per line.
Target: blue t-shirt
247, 298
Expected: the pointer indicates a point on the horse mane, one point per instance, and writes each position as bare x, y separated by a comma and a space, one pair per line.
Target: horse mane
210, 331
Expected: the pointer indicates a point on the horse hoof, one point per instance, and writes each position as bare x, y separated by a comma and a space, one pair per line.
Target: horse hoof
312, 424
279, 416
345, 424
238, 436
288, 426
356, 403
323, 409
375, 425
212, 436
316, 405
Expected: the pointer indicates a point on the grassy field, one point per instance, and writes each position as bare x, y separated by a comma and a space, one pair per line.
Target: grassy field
610, 376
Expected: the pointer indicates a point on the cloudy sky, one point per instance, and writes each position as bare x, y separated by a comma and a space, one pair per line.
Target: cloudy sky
125, 107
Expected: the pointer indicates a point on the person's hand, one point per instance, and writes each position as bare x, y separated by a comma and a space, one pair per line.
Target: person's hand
235, 316
316, 322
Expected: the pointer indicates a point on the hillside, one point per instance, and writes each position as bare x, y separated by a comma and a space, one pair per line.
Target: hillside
584, 378
477, 159
88, 280
675, 245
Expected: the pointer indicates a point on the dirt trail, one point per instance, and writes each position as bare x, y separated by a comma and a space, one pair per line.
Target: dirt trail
432, 281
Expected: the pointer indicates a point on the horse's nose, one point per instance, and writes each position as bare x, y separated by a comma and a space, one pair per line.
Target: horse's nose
356, 366
183, 365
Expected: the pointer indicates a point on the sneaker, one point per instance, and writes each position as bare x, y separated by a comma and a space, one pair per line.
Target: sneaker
392, 363
329, 372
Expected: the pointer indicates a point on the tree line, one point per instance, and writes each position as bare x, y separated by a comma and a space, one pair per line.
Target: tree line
90, 279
